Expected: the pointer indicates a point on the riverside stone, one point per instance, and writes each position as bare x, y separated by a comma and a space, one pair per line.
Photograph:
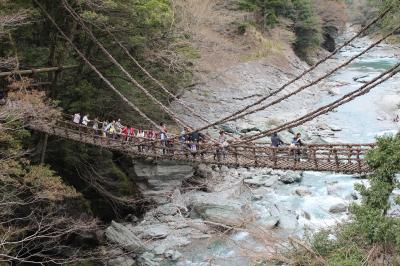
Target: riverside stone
155, 231
220, 214
338, 208
290, 177
173, 255
267, 181
335, 128
148, 259
121, 261
122, 236
303, 191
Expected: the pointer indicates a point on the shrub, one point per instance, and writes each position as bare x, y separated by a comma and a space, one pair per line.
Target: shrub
307, 26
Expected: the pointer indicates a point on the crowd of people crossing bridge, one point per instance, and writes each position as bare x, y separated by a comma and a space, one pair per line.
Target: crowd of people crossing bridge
189, 143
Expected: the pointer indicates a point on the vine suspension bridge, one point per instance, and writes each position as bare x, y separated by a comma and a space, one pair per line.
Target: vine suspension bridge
242, 152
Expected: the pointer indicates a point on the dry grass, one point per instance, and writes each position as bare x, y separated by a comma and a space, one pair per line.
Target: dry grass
190, 14
213, 27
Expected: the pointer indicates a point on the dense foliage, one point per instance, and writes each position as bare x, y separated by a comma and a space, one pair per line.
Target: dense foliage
41, 217
146, 28
373, 235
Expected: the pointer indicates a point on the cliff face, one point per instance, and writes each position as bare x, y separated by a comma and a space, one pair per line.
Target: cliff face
158, 180
333, 16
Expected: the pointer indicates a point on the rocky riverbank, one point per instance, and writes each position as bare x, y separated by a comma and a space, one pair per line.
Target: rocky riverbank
213, 216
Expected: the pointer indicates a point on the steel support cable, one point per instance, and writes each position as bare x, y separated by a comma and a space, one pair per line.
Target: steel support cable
87, 62
329, 107
276, 101
122, 69
364, 29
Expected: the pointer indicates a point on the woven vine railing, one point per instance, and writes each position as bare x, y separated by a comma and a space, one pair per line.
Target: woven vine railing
345, 158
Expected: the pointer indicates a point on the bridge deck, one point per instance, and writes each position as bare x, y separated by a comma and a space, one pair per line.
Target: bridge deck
345, 158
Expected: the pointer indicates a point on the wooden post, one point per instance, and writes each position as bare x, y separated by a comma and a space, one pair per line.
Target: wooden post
80, 133
329, 155
336, 159
350, 154
44, 147
359, 160
236, 157
255, 156
314, 155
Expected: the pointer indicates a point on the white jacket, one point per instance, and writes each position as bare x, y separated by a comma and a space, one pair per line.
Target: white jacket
77, 118
85, 120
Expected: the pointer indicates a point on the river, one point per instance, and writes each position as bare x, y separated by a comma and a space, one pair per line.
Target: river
359, 121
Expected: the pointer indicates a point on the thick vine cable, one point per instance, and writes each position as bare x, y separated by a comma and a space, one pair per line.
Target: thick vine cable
329, 107
122, 69
156, 81
88, 63
364, 29
317, 80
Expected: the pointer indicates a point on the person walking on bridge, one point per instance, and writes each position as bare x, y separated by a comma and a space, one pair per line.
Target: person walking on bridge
131, 133
163, 137
104, 128
276, 140
96, 126
77, 118
296, 144
222, 144
85, 120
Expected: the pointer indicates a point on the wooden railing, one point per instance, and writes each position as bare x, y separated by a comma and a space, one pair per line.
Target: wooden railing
346, 158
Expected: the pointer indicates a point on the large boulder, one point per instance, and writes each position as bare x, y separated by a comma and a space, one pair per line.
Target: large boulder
155, 231
120, 259
338, 208
121, 235
221, 214
290, 177
335, 190
288, 220
303, 191
267, 223
159, 180
148, 259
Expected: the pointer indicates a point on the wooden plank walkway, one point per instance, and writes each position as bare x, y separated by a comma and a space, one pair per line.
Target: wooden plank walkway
344, 158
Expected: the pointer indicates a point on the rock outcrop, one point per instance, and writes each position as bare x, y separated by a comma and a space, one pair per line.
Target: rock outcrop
121, 235
158, 180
